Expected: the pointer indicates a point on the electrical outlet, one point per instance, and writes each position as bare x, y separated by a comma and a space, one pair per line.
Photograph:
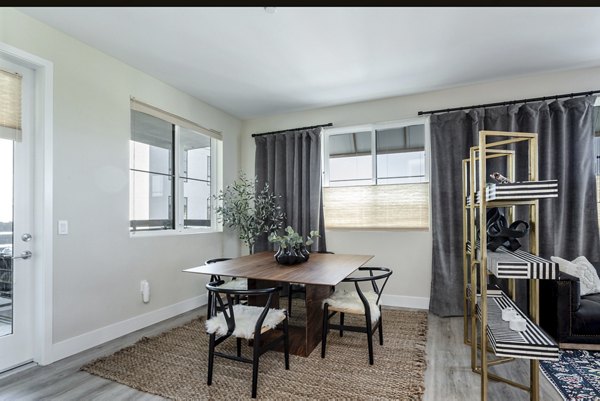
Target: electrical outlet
63, 227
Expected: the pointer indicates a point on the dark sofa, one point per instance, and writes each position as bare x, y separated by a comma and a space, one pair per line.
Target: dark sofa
572, 320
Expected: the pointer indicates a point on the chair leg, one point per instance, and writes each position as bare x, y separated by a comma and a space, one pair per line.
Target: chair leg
286, 344
341, 324
370, 341
325, 329
211, 358
290, 299
255, 356
209, 305
380, 330
239, 346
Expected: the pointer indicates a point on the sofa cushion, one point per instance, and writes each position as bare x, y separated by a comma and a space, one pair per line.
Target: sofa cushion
584, 270
586, 321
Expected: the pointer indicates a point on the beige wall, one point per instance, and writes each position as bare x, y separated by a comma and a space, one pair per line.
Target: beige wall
98, 267
409, 252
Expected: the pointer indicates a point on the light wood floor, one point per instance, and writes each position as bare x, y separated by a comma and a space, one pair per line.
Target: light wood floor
448, 375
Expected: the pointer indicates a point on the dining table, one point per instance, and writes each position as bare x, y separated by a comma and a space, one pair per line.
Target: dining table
320, 274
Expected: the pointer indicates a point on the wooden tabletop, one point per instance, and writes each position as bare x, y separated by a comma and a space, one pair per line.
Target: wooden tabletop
320, 269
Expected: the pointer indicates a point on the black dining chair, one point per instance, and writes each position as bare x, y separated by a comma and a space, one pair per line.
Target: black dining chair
235, 283
297, 289
244, 322
357, 302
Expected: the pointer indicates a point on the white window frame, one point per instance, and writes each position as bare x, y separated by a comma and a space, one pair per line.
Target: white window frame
216, 157
327, 132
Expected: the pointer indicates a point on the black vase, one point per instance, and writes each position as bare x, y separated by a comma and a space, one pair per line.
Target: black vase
304, 252
290, 256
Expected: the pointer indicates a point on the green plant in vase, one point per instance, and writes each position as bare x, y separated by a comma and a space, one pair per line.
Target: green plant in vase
292, 246
250, 213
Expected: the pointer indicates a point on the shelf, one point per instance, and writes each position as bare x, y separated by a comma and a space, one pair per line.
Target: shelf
522, 190
492, 291
517, 192
520, 265
533, 343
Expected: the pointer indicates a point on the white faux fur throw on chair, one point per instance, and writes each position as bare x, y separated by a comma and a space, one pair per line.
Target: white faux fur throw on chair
245, 320
237, 284
349, 302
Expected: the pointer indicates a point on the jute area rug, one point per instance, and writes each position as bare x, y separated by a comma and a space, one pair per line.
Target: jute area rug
174, 365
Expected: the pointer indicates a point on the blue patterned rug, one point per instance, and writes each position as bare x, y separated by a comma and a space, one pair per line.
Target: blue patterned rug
576, 375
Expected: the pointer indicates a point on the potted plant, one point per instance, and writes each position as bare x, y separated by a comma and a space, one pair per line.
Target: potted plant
292, 246
248, 212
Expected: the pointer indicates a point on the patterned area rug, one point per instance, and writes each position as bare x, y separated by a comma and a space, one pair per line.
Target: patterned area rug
576, 375
174, 365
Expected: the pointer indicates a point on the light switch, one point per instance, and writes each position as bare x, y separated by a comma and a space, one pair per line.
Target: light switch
63, 227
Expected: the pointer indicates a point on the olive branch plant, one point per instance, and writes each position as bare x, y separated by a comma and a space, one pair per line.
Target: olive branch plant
241, 208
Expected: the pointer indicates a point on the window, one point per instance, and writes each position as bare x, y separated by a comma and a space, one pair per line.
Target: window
376, 176
173, 165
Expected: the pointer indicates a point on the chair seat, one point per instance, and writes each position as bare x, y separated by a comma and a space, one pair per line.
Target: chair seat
237, 284
245, 320
349, 302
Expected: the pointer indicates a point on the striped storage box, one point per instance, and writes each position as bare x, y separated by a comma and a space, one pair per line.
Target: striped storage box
533, 343
522, 190
520, 265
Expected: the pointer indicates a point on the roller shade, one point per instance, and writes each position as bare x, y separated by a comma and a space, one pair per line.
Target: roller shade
173, 119
377, 206
10, 106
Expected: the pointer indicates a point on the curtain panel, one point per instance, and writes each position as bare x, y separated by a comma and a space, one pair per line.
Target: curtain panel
291, 163
568, 226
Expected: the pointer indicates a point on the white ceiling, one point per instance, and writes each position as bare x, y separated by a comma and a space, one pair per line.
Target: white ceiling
250, 63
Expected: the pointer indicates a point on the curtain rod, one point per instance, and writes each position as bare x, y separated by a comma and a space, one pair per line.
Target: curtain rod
534, 99
293, 129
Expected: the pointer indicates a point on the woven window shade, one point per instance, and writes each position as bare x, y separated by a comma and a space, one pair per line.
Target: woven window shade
10, 106
377, 206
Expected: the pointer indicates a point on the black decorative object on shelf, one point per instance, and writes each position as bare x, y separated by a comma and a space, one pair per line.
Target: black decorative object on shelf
500, 178
502, 234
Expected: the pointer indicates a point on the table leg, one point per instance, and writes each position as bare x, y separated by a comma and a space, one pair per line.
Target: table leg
315, 294
303, 340
261, 300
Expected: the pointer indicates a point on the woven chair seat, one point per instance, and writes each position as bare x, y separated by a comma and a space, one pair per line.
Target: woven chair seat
237, 284
349, 302
245, 321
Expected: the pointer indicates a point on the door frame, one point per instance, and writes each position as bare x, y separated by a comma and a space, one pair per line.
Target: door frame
43, 231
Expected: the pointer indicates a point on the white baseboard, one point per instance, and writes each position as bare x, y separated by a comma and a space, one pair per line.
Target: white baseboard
404, 301
99, 336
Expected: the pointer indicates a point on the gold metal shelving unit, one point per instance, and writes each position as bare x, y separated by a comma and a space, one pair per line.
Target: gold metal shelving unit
481, 310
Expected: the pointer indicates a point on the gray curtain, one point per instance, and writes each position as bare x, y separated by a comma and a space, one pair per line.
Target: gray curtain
568, 225
291, 163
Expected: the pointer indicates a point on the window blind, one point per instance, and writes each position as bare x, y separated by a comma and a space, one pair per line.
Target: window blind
173, 119
377, 206
10, 106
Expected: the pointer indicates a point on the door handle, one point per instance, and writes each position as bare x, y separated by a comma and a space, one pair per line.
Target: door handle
24, 255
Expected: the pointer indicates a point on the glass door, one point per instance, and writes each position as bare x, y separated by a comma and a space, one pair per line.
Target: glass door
16, 215
6, 237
